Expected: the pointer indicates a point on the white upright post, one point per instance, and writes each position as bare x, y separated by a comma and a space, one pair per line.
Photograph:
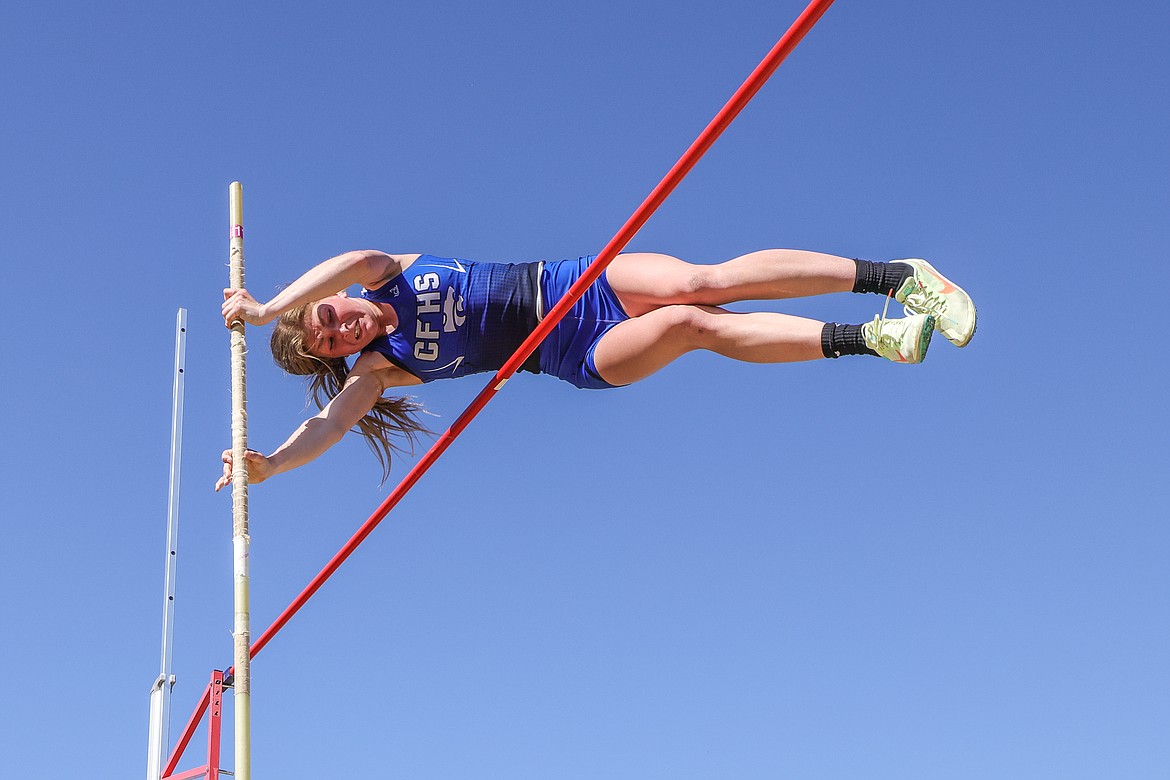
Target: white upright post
160, 692
241, 634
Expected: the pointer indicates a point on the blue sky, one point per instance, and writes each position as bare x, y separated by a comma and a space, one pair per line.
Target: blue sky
835, 570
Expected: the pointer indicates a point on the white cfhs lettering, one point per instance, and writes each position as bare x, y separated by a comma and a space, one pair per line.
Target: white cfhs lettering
426, 345
428, 302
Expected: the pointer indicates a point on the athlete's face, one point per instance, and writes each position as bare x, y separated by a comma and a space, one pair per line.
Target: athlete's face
339, 326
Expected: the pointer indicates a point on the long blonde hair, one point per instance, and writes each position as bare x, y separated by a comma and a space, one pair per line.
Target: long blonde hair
390, 419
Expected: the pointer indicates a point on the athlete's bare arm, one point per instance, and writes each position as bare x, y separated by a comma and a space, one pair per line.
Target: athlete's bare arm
372, 375
366, 267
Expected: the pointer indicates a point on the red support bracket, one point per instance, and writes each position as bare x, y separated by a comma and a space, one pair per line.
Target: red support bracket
212, 701
189, 774
214, 723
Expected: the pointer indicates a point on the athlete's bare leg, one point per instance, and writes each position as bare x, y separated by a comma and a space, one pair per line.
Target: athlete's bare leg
645, 281
638, 347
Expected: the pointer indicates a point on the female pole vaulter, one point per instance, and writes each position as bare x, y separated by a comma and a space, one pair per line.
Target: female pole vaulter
419, 318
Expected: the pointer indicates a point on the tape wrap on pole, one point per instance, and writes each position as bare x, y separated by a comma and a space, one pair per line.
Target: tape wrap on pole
241, 633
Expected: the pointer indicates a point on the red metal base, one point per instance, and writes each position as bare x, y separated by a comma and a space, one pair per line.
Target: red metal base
212, 703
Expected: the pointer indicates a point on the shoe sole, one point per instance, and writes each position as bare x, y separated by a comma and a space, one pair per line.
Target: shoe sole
924, 339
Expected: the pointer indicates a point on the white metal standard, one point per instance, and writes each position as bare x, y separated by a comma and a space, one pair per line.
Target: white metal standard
160, 692
241, 635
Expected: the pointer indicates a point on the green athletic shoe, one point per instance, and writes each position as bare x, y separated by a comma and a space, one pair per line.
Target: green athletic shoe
902, 341
929, 292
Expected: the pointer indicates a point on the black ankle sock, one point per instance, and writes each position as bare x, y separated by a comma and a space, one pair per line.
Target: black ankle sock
880, 278
838, 340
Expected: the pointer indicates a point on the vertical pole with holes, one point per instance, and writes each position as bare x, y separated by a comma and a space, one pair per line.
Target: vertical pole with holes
241, 634
160, 694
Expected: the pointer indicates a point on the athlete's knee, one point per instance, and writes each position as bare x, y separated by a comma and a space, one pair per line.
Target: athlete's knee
687, 282
703, 283
692, 326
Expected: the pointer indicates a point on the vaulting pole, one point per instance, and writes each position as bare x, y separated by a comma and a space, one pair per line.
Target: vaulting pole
241, 634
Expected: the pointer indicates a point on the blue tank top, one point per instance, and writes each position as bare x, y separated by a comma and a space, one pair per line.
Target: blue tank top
457, 317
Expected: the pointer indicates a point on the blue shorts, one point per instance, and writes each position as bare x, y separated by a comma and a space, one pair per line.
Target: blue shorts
567, 352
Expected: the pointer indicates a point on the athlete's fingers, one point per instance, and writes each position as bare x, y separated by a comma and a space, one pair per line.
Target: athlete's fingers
226, 477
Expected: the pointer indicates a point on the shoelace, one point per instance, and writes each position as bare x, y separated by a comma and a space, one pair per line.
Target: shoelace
925, 301
885, 341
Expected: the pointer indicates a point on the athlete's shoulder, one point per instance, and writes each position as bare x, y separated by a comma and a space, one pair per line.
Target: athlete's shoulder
377, 360
390, 268
406, 260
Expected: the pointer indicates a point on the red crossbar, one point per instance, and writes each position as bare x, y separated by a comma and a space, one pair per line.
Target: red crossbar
750, 87
729, 112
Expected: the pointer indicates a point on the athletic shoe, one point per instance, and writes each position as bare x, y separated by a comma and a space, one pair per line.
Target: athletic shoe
902, 341
929, 292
